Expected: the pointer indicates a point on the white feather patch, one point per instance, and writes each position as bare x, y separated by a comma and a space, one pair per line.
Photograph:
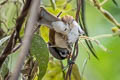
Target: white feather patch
61, 27
73, 35
73, 31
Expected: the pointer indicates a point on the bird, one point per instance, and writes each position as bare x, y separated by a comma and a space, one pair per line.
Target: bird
63, 35
58, 46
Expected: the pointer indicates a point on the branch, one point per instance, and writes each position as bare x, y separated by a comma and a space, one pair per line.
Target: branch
27, 38
106, 13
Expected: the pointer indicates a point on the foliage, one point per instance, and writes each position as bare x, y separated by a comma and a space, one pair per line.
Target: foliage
40, 52
107, 68
55, 71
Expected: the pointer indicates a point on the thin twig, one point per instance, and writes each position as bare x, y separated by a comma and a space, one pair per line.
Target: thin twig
103, 2
106, 13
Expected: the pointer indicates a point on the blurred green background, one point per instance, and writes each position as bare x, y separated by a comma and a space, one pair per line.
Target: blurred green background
108, 66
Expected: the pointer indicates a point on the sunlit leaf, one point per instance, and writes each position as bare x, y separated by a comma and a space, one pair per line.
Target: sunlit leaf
44, 32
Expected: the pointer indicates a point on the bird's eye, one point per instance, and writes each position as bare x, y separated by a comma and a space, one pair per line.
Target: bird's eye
65, 29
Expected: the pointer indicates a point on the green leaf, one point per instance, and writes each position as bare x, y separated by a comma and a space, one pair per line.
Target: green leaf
4, 69
114, 1
40, 51
9, 14
53, 4
9, 63
12, 60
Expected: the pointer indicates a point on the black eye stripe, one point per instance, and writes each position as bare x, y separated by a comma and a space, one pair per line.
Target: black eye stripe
65, 29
